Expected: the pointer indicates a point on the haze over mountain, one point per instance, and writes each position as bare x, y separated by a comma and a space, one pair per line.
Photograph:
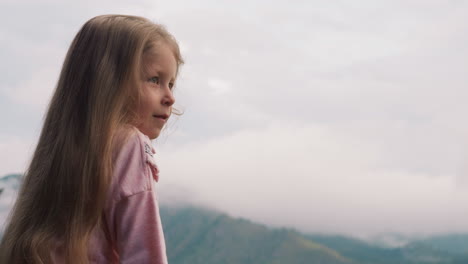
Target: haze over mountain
196, 234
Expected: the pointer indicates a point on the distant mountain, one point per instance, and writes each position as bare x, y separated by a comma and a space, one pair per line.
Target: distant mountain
391, 240
10, 181
201, 235
453, 243
9, 185
360, 251
195, 235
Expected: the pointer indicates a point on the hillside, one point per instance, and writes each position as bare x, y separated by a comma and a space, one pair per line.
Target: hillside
197, 235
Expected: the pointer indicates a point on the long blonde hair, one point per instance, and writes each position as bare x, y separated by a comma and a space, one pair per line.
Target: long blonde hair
64, 190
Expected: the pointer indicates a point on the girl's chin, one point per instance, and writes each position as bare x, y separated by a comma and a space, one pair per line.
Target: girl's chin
154, 134
151, 133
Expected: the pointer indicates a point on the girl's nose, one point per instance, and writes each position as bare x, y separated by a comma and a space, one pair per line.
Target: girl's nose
168, 99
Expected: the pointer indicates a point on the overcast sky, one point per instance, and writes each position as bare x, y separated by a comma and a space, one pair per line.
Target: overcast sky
326, 116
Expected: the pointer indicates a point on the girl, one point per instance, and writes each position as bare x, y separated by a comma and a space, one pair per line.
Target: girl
88, 194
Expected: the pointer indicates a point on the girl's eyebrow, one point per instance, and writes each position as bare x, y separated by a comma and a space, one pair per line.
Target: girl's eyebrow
152, 68
165, 74
157, 71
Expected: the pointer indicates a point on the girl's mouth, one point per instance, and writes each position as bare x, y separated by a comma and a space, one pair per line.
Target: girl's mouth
164, 117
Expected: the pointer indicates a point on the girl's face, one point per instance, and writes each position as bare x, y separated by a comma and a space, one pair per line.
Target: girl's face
160, 69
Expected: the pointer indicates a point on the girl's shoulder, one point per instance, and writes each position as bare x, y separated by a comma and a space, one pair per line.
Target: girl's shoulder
134, 168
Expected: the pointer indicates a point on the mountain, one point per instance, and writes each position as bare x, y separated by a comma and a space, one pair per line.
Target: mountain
452, 243
202, 235
362, 252
9, 185
10, 181
196, 235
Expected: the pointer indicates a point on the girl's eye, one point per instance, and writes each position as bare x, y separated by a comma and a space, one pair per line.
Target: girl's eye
154, 79
171, 85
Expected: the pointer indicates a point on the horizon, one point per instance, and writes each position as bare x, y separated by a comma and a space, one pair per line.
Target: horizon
384, 239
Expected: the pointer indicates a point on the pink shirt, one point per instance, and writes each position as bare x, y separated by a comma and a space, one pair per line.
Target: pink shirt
131, 216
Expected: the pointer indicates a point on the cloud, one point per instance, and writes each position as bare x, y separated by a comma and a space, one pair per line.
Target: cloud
219, 87
15, 153
315, 178
34, 91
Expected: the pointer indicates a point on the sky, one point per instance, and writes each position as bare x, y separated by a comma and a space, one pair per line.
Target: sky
326, 116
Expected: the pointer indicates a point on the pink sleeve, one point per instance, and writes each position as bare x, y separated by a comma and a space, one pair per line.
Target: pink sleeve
139, 231
133, 210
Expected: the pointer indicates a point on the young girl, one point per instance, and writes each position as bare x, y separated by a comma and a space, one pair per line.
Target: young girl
88, 194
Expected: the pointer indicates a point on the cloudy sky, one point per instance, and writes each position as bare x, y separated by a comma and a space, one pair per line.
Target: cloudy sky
326, 116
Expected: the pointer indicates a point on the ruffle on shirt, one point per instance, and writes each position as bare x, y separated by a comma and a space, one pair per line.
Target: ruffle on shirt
149, 154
